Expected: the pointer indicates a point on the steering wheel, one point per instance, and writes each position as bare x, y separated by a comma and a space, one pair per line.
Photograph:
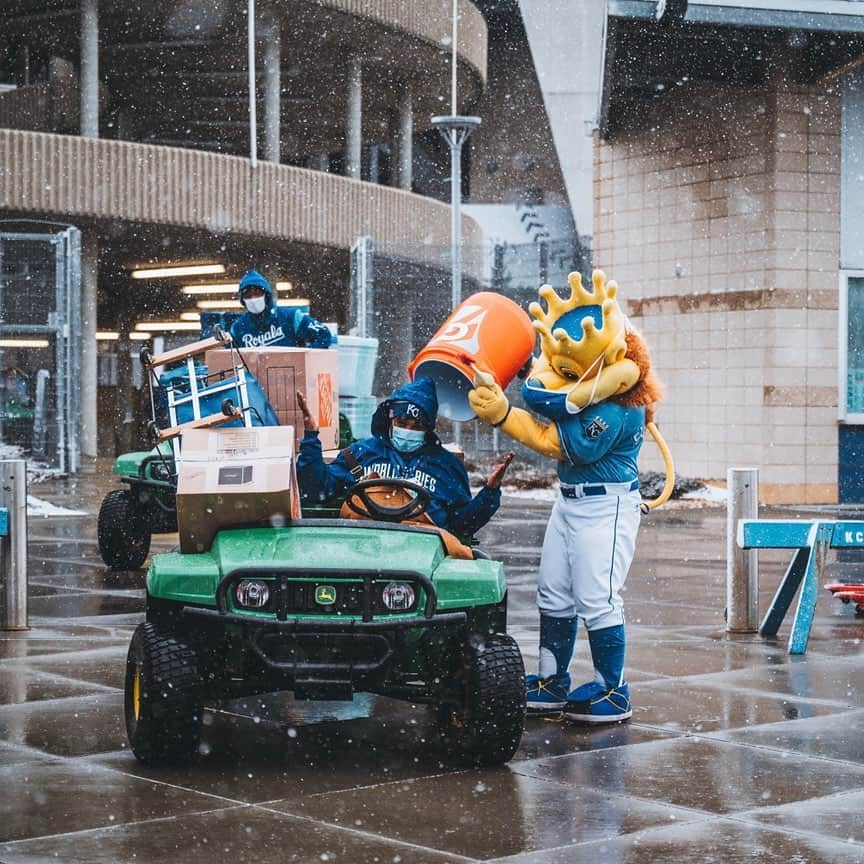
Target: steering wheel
362, 503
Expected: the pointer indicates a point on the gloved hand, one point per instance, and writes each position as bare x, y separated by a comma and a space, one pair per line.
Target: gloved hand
309, 423
487, 399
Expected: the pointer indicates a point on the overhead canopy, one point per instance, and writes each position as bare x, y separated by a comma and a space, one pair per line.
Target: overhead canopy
654, 48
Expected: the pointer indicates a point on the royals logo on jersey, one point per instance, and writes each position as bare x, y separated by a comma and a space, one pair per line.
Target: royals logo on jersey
274, 334
596, 427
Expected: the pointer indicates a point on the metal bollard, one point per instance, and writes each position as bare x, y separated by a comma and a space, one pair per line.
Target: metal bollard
13, 547
742, 572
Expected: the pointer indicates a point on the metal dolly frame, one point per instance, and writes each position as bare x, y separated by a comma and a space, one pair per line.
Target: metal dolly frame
235, 384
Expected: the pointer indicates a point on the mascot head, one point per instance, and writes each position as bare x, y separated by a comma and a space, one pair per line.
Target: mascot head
588, 349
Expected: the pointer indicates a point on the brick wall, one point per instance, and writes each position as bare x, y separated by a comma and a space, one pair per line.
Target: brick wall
717, 212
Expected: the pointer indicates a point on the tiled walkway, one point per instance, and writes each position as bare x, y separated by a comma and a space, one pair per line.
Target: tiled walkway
737, 752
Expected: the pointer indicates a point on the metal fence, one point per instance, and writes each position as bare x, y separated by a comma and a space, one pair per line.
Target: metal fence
402, 294
40, 346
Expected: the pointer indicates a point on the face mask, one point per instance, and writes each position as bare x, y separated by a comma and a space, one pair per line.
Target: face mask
407, 440
256, 305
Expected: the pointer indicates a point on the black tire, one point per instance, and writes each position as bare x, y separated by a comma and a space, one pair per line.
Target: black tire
162, 698
487, 727
124, 536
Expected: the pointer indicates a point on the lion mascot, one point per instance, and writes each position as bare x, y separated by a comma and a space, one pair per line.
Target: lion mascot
594, 387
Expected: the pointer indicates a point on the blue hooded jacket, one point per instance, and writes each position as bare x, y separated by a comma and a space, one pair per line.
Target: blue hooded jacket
276, 326
433, 467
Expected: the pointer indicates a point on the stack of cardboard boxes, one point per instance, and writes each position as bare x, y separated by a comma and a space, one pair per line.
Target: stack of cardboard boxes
282, 372
233, 477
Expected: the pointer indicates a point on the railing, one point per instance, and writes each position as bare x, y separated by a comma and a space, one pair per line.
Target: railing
811, 540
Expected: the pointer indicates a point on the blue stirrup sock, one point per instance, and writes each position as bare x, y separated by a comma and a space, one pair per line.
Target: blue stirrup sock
557, 640
607, 653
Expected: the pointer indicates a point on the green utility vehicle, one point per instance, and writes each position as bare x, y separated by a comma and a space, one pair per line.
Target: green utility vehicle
129, 516
185, 396
146, 504
328, 607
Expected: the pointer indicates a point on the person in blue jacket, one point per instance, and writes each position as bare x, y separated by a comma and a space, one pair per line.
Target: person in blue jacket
266, 325
403, 445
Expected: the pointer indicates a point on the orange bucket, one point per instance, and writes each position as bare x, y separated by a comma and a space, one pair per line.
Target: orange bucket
485, 330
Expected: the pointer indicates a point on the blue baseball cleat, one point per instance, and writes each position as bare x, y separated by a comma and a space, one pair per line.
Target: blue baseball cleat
595, 703
546, 694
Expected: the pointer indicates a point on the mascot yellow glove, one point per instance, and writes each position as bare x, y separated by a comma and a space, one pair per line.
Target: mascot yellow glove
489, 403
487, 399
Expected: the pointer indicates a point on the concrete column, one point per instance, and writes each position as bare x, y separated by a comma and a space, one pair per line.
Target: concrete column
89, 74
270, 34
405, 150
89, 282
374, 165
354, 120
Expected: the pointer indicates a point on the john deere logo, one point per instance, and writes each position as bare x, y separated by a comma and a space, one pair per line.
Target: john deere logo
325, 595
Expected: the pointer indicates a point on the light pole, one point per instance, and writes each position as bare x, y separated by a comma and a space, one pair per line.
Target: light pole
455, 129
250, 51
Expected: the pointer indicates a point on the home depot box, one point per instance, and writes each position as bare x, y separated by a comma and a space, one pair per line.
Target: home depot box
281, 372
232, 477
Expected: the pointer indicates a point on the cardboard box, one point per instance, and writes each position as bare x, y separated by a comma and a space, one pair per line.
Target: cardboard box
233, 477
281, 372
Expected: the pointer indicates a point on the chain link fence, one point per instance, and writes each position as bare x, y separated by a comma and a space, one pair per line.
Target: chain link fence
40, 341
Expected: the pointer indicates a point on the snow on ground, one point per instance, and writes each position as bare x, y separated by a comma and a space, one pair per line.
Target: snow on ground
36, 471
41, 507
550, 493
711, 494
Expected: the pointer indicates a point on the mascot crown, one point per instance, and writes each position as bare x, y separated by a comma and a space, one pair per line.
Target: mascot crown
574, 333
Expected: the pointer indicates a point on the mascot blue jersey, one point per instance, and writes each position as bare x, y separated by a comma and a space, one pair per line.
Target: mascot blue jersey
433, 467
601, 443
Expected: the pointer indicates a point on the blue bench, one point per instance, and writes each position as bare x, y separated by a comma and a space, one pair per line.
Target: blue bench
811, 539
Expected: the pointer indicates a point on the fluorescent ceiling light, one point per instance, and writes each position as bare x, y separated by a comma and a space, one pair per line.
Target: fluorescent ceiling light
107, 335
294, 301
284, 286
24, 343
190, 316
219, 288
140, 337
185, 270
167, 326
219, 304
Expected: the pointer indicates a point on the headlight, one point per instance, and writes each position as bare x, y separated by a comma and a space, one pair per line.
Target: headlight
398, 596
160, 471
252, 594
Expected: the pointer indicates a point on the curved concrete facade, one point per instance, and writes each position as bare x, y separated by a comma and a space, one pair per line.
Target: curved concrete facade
426, 20
119, 180
136, 129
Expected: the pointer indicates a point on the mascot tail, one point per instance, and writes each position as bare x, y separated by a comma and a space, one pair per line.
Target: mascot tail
663, 497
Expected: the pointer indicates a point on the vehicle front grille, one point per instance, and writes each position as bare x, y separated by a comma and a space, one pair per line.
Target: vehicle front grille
302, 597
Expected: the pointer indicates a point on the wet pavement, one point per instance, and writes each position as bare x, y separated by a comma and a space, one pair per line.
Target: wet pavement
736, 751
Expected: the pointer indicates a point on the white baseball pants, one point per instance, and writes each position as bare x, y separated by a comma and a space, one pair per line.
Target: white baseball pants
587, 551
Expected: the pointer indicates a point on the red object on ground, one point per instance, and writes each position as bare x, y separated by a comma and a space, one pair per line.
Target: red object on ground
849, 594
